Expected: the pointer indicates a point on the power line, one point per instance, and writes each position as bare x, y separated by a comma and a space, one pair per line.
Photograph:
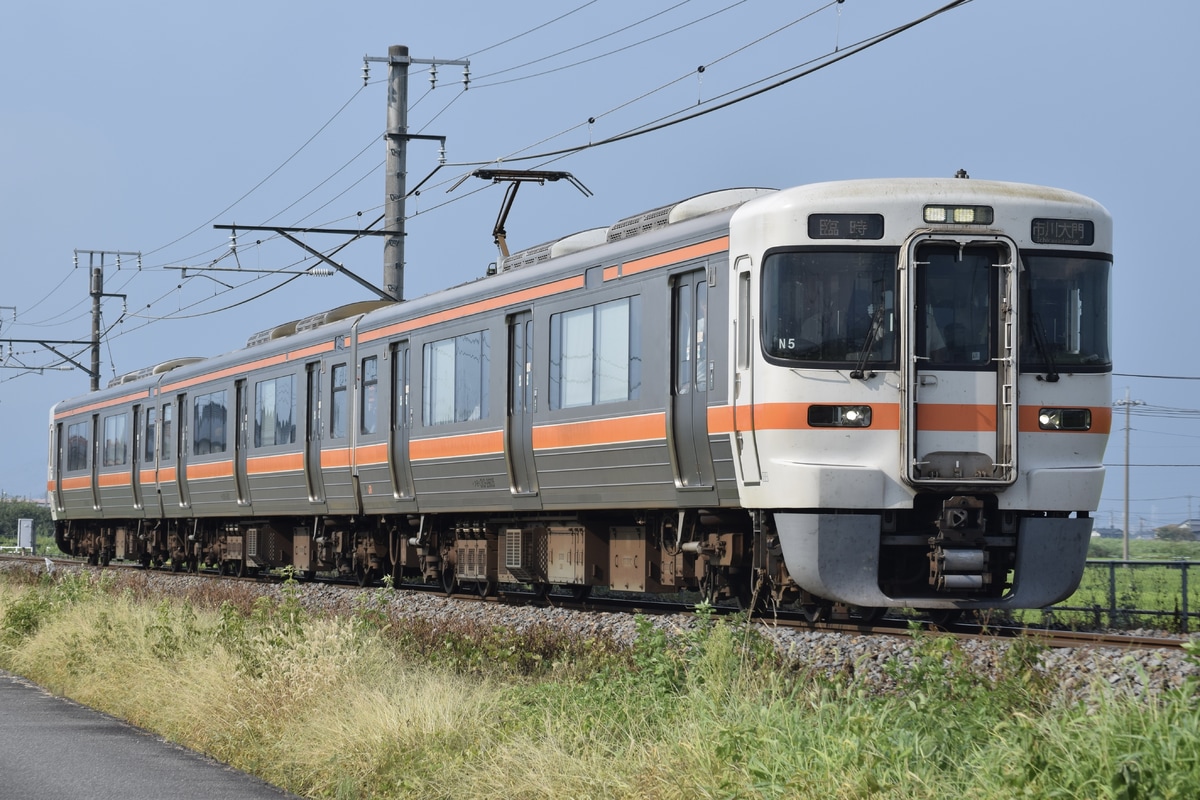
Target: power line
832, 58
600, 38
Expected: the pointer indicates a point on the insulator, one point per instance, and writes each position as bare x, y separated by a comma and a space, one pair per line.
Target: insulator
366, 72
118, 261
442, 155
233, 241
466, 77
320, 272
433, 76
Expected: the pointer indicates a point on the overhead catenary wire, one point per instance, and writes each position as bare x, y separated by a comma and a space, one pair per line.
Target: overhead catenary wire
648, 128
480, 78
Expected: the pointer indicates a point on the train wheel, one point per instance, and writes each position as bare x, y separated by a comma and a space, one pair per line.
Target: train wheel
362, 575
239, 568
541, 591
580, 592
815, 612
865, 615
710, 586
485, 588
449, 580
944, 618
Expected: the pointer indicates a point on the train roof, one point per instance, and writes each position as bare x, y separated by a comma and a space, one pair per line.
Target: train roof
649, 229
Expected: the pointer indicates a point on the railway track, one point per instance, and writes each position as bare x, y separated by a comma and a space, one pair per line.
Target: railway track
884, 626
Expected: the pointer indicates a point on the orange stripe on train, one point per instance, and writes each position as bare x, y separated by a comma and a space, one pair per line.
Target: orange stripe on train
644, 427
215, 469
487, 443
286, 462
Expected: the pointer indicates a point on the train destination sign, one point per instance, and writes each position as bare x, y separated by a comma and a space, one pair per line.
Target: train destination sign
1078, 232
845, 226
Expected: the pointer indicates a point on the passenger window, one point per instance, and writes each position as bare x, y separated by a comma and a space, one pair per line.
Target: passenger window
209, 428
595, 354
168, 433
275, 412
337, 417
116, 440
78, 445
369, 405
148, 453
456, 379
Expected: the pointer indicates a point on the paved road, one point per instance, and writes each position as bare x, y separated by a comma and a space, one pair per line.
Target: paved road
53, 749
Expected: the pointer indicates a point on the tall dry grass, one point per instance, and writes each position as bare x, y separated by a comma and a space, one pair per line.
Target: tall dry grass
370, 706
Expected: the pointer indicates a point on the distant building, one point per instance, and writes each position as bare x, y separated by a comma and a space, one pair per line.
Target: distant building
1107, 533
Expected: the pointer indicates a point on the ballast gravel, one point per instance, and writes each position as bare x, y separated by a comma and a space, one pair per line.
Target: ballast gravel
1079, 673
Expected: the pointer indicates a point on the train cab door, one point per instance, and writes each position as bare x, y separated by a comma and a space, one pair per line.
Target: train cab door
961, 410
522, 399
743, 380
241, 443
401, 423
312, 433
691, 378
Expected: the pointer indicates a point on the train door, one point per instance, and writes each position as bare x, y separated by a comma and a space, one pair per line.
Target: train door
401, 423
241, 443
961, 409
312, 433
518, 444
135, 462
181, 451
97, 444
743, 381
691, 377
150, 456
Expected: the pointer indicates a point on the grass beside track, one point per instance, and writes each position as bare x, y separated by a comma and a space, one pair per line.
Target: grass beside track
369, 705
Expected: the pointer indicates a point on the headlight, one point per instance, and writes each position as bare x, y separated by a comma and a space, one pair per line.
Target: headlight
839, 416
1065, 419
960, 215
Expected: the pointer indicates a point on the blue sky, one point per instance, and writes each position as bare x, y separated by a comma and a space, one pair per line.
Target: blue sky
136, 126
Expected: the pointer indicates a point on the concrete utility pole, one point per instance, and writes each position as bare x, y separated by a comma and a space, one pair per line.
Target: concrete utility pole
397, 138
1125, 534
97, 292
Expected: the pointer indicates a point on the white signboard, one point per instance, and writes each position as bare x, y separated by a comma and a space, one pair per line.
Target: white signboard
25, 534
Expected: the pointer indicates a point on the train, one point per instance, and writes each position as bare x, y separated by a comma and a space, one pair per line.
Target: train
841, 397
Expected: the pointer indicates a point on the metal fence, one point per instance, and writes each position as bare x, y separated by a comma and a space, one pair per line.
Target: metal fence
1131, 594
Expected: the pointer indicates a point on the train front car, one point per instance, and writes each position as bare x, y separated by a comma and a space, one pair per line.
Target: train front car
922, 380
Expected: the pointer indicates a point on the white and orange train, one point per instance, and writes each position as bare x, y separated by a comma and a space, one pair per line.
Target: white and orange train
856, 394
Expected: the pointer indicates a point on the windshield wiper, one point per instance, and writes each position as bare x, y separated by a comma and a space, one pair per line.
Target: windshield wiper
865, 353
1039, 340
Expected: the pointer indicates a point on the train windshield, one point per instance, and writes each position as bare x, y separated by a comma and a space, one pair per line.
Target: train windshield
833, 307
1065, 313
